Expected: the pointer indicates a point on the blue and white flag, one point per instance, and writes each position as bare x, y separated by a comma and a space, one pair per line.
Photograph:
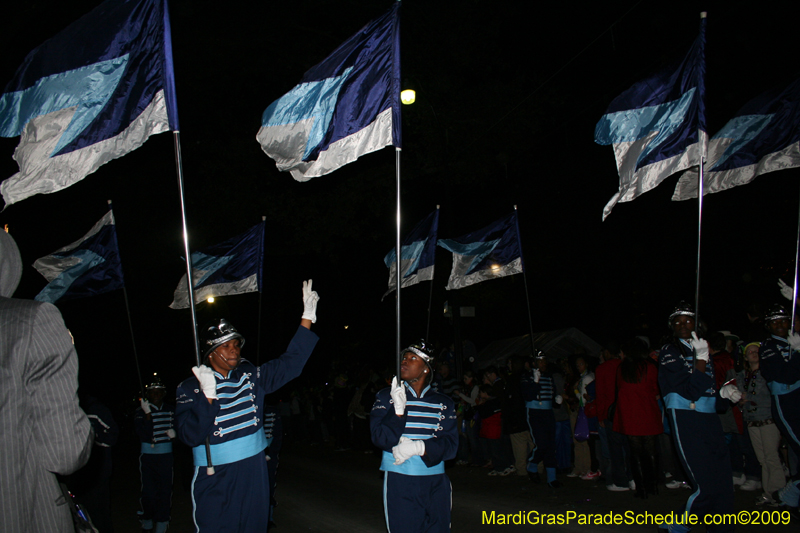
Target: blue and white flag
343, 108
489, 253
92, 93
87, 267
417, 255
231, 267
658, 126
764, 136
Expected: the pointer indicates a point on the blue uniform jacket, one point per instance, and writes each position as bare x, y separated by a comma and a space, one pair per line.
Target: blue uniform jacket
153, 432
780, 365
234, 422
430, 417
538, 395
681, 387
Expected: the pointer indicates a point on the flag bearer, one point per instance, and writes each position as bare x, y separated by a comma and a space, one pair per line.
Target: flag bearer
415, 427
686, 378
224, 402
780, 367
539, 392
154, 422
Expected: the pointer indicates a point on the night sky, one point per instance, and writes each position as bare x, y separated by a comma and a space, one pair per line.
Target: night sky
507, 98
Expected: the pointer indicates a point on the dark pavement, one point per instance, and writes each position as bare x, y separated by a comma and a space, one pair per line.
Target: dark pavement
321, 490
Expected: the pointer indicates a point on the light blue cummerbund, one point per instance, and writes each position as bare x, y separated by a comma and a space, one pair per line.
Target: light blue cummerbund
269, 442
161, 447
705, 404
778, 389
234, 450
410, 467
536, 404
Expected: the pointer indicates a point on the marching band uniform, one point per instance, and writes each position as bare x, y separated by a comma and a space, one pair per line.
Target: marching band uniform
540, 395
416, 492
155, 463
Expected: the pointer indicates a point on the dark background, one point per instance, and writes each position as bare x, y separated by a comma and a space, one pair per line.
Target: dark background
507, 98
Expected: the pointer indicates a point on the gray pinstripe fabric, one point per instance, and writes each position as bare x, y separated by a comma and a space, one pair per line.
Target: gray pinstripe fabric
42, 429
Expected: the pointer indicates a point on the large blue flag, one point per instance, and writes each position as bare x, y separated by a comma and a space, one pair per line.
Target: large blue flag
231, 267
489, 253
658, 126
764, 136
417, 254
343, 108
92, 93
87, 267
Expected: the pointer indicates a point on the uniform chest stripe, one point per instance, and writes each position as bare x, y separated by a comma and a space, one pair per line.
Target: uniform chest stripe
246, 386
225, 431
247, 398
231, 384
437, 416
251, 409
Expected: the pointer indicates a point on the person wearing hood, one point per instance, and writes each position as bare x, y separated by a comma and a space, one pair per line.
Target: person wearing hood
44, 430
224, 403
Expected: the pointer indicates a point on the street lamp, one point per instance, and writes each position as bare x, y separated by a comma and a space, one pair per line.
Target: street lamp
408, 96
210, 299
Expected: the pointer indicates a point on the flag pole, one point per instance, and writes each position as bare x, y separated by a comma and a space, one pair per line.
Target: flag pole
700, 190
176, 135
128, 309
430, 297
260, 292
525, 279
398, 257
794, 285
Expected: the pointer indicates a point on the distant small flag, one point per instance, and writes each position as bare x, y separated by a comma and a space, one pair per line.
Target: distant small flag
87, 267
658, 126
231, 267
489, 253
93, 93
345, 107
764, 136
418, 254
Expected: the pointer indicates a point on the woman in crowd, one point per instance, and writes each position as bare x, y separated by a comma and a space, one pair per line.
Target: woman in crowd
637, 414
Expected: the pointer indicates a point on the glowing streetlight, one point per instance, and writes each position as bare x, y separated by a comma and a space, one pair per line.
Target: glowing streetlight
408, 97
210, 299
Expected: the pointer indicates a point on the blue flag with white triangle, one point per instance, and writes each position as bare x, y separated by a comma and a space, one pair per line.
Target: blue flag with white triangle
345, 107
417, 254
489, 253
763, 136
87, 267
93, 93
658, 126
230, 267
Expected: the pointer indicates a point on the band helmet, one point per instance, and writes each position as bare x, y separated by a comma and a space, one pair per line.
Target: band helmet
218, 331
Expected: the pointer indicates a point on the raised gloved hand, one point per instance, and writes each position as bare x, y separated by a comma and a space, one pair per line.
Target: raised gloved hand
536, 375
786, 291
406, 449
207, 381
700, 348
310, 299
731, 392
171, 433
145, 406
794, 341
398, 394
559, 400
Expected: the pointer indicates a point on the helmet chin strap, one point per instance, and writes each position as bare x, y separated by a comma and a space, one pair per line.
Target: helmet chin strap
410, 381
227, 361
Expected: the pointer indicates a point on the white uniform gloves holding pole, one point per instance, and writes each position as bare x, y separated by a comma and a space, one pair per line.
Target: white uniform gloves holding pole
208, 383
398, 394
700, 348
406, 449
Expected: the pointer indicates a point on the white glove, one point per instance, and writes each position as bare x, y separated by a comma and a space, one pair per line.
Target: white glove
786, 291
171, 433
207, 381
794, 341
310, 299
406, 449
559, 399
730, 392
398, 394
145, 406
536, 375
700, 348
